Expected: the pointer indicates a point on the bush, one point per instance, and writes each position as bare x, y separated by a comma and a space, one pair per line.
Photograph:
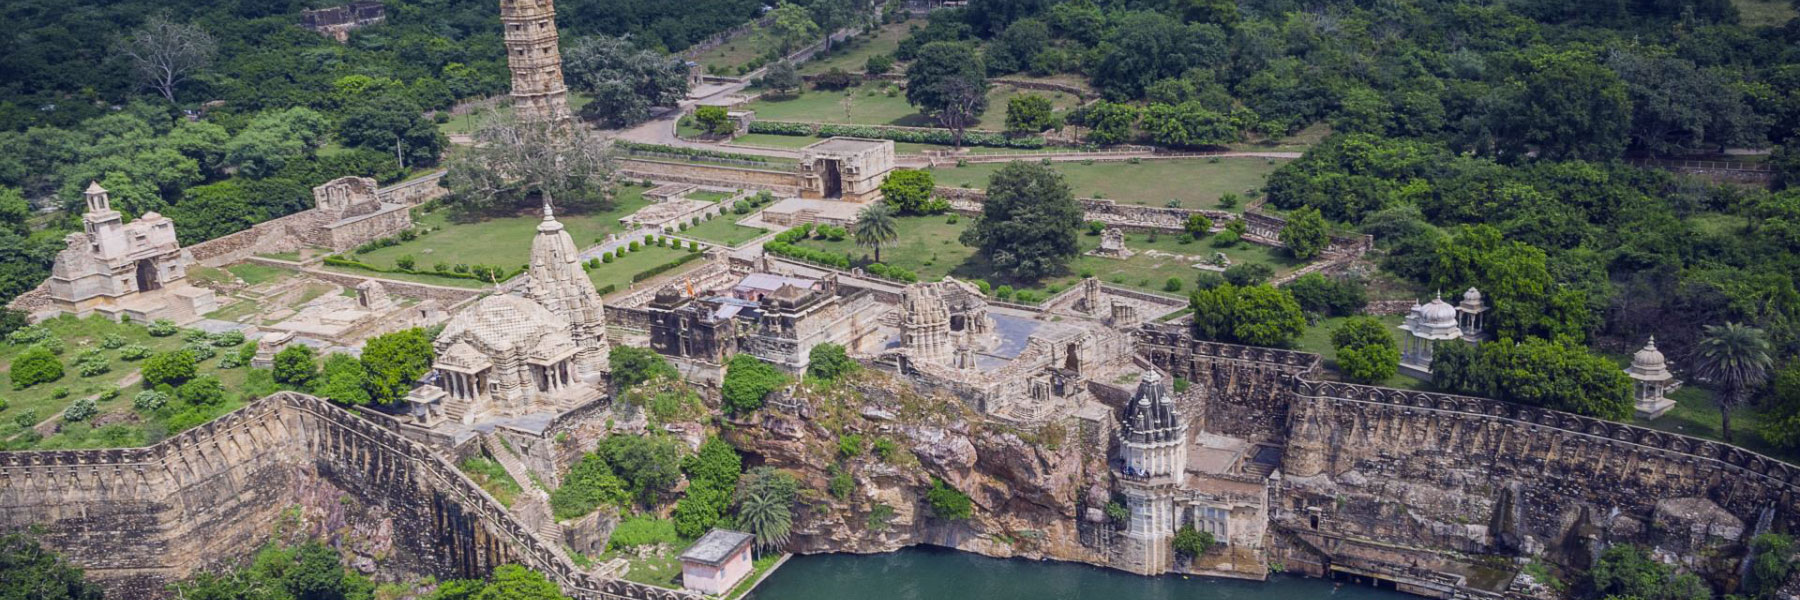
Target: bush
228, 339
1225, 239
829, 362
834, 79
1248, 274
112, 341
879, 64
405, 262
642, 530
1191, 543
1095, 228
134, 352
80, 410
885, 449
149, 401
850, 445
842, 484
747, 381
170, 368
162, 328
205, 390
34, 366
1172, 285
606, 258
941, 137
947, 502
91, 363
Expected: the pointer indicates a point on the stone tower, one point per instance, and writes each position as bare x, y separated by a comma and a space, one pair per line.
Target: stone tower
531, 52
925, 325
1152, 465
558, 283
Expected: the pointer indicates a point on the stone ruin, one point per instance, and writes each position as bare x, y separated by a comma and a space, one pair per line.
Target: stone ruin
135, 270
845, 168
1112, 245
349, 212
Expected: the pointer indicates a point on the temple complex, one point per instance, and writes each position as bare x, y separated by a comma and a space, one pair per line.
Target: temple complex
133, 270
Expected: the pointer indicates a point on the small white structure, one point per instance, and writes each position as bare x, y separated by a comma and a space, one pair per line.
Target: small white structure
716, 562
1650, 376
1152, 466
1471, 315
1426, 326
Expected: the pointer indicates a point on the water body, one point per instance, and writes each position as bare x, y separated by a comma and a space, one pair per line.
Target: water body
940, 574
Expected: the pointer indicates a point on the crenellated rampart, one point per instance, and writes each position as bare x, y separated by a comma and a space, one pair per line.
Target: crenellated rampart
140, 518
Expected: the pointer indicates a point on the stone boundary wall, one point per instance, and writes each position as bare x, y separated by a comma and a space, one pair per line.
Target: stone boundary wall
415, 191
700, 174
448, 296
1129, 217
628, 317
463, 531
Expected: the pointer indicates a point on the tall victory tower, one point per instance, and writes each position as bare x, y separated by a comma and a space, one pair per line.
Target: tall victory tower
537, 80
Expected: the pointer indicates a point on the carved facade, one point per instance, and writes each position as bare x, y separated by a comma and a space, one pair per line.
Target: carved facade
848, 168
134, 270
780, 325
538, 91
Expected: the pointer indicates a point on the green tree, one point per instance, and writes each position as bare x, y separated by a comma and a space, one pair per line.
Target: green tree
342, 379
514, 582
1781, 425
747, 381
30, 571
1198, 225
168, 368
875, 228
781, 78
1366, 351
394, 361
1190, 125
1108, 122
1773, 563
829, 362
296, 365
1734, 357
1029, 222
1143, 47
712, 119
1029, 113
203, 390
589, 484
1190, 543
1306, 233
909, 190
632, 366
1013, 50
394, 125
791, 28
947, 502
650, 465
35, 365
1566, 105
626, 81
1624, 570
947, 81
1266, 316
765, 506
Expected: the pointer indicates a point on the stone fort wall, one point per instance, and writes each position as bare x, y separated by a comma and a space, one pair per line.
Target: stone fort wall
1415, 486
139, 518
780, 182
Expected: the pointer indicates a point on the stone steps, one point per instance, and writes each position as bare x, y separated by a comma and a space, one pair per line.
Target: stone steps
455, 409
533, 506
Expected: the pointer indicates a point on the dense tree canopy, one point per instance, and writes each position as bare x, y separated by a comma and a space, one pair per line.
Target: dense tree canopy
1028, 222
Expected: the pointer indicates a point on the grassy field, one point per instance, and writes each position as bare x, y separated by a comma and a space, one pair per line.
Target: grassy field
41, 402
723, 230
1193, 183
1764, 13
725, 59
870, 104
853, 57
467, 122
1317, 339
929, 247
800, 141
619, 272
500, 241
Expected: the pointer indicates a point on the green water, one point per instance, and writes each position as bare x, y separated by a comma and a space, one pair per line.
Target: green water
938, 574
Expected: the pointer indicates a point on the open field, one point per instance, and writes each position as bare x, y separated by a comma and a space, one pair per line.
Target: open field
1764, 13
852, 59
770, 140
1193, 183
723, 230
929, 246
468, 122
619, 272
870, 104
725, 59
123, 426
504, 241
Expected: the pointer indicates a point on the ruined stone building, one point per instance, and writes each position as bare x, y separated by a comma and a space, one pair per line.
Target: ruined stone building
538, 91
134, 270
338, 21
780, 325
348, 213
847, 168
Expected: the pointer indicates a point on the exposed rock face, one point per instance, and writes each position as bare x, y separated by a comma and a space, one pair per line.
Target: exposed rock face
1025, 494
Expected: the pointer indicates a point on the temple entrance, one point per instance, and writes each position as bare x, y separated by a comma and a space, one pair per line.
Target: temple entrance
1072, 361
831, 179
146, 276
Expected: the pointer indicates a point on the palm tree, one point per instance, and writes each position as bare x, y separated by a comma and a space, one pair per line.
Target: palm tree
1736, 357
875, 227
764, 506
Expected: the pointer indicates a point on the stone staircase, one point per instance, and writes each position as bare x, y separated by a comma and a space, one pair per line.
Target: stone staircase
455, 409
533, 506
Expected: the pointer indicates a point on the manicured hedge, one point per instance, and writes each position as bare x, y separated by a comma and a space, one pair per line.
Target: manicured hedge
942, 137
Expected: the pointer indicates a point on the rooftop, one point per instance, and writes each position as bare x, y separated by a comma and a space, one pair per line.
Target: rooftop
716, 546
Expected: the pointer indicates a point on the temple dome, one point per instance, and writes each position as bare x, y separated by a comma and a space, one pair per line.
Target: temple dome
503, 322
1150, 418
1437, 314
1649, 364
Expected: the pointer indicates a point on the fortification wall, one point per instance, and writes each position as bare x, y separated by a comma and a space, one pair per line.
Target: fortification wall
139, 518
673, 172
414, 192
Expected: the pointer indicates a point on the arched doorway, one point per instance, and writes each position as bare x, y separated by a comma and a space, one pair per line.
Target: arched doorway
146, 276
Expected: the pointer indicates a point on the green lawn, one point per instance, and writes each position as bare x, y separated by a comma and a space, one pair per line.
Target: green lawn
725, 59
709, 196
856, 55
502, 241
1194, 183
724, 230
254, 274
800, 141
1764, 13
1317, 339
929, 246
870, 104
468, 122
40, 402
619, 272
1696, 414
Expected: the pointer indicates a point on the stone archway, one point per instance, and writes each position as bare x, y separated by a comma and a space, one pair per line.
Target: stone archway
146, 276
